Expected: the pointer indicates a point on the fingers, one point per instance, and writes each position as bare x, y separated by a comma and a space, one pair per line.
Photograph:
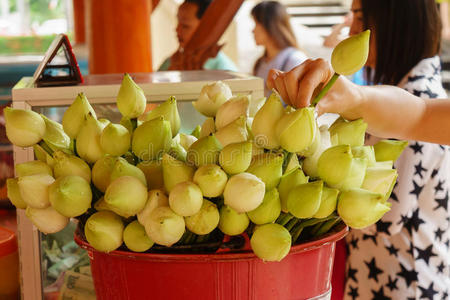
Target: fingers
276, 81
315, 74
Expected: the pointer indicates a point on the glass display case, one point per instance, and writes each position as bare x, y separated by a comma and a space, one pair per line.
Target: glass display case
53, 262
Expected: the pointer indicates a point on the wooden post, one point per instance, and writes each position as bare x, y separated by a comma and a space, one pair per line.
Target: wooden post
79, 21
118, 36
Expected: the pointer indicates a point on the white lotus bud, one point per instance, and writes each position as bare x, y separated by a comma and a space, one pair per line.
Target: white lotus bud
304, 199
71, 196
236, 158
292, 164
73, 118
328, 202
244, 192
47, 220
196, 131
101, 205
177, 151
175, 171
55, 137
271, 242
115, 139
131, 100
315, 144
153, 173
345, 132
34, 189
204, 151
207, 128
170, 113
310, 163
152, 139
268, 167
380, 181
288, 181
212, 96
24, 128
135, 237
255, 105
185, 199
205, 220
365, 152
33, 167
186, 140
66, 164
101, 172
358, 46
389, 149
123, 168
387, 164
126, 196
211, 179
231, 110
13, 193
156, 198
231, 222
235, 132
43, 155
164, 226
104, 231
88, 140
269, 210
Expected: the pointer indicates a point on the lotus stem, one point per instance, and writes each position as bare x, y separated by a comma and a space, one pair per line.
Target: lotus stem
44, 146
327, 226
325, 89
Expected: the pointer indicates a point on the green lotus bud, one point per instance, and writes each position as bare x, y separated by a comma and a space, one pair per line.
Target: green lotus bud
293, 163
380, 181
135, 237
34, 189
115, 139
366, 152
207, 128
88, 140
73, 118
71, 196
131, 100
351, 54
24, 128
244, 192
153, 173
212, 96
186, 140
152, 139
126, 122
269, 210
345, 132
231, 110
123, 168
169, 111
33, 167
13, 193
55, 137
268, 167
255, 105
47, 220
126, 196
164, 226
185, 199
288, 181
271, 242
304, 199
104, 231
387, 164
156, 198
360, 208
196, 131
235, 132
177, 151
42, 155
256, 150
328, 202
265, 121
175, 171
211, 179
204, 151
236, 158
101, 205
66, 164
310, 163
205, 221
104, 122
389, 149
101, 172
296, 131
231, 222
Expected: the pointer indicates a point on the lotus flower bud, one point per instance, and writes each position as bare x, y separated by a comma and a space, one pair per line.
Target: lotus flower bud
288, 181
196, 131
126, 196
212, 96
88, 140
169, 111
271, 242
66, 164
104, 122
269, 210
314, 145
265, 120
32, 168
205, 221
24, 128
135, 237
128, 124
268, 167
156, 198
310, 163
186, 140
175, 171
186, 199
296, 130
236, 158
351, 54
360, 208
101, 172
207, 128
152, 139
47, 220
235, 132
292, 164
244, 192
42, 155
380, 181
231, 222
256, 150
345, 132
131, 100
73, 118
164, 226
389, 149
255, 105
104, 231
211, 179
365, 152
115, 139
231, 110
101, 205
71, 196
123, 168
13, 193
328, 202
204, 151
34, 189
177, 151
55, 137
153, 173
387, 164
304, 200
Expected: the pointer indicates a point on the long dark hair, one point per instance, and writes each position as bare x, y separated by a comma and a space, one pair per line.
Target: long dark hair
406, 31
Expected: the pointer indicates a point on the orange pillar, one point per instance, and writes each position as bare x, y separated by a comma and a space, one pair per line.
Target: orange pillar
118, 36
79, 21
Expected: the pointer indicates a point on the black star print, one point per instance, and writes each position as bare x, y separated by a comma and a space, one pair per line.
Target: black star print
442, 147
373, 270
434, 173
394, 196
354, 243
404, 220
445, 295
419, 169
436, 70
430, 93
392, 284
415, 220
417, 189
441, 268
417, 148
438, 234
392, 250
425, 254
351, 274
442, 202
439, 187
353, 292
417, 93
379, 295
410, 250
415, 78
409, 276
428, 293
447, 243
370, 237
383, 226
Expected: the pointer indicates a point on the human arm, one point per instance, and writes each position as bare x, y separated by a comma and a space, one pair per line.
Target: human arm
445, 20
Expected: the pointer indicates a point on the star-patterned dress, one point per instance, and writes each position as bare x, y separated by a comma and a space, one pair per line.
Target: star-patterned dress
406, 255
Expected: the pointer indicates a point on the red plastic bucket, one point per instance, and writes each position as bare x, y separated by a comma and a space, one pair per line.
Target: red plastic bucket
305, 273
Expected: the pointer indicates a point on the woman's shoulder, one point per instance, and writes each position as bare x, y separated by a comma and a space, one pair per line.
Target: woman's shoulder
294, 57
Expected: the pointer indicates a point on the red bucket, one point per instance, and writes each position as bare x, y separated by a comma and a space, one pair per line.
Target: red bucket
305, 273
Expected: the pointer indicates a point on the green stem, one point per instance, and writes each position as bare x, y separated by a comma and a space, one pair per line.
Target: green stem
325, 89
287, 158
291, 224
326, 226
296, 231
134, 123
44, 146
